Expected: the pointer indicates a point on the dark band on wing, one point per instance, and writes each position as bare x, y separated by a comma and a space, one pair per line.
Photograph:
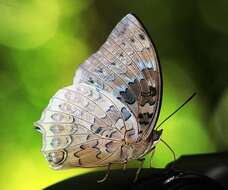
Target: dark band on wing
128, 96
144, 118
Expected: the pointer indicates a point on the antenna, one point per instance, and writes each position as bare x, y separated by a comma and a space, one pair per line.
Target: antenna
176, 110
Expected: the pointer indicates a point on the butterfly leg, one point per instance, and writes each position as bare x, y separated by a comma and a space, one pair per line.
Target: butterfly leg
106, 175
151, 156
139, 169
124, 165
173, 153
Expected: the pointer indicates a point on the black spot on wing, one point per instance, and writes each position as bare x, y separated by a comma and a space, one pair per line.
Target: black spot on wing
151, 92
128, 96
98, 130
90, 80
126, 114
147, 96
144, 118
142, 37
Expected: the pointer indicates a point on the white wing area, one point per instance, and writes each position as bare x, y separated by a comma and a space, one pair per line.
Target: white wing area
87, 124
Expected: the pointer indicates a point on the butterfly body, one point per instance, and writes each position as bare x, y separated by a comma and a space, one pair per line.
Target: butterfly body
109, 113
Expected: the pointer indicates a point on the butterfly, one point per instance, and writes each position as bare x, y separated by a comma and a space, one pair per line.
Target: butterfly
108, 115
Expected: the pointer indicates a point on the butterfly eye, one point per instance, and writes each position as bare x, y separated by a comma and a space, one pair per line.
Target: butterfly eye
157, 135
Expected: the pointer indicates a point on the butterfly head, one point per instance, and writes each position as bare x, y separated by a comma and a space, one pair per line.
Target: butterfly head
156, 136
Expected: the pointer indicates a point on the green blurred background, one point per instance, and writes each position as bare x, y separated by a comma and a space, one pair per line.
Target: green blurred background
43, 42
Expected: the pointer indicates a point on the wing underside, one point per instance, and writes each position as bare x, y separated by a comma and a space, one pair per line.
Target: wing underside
87, 124
114, 100
126, 66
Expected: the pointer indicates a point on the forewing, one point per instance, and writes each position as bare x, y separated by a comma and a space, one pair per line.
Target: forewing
127, 67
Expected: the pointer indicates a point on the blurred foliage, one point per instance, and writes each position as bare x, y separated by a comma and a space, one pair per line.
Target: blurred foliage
43, 42
219, 122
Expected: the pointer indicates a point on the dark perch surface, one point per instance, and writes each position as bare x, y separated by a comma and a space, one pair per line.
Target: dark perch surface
191, 174
149, 179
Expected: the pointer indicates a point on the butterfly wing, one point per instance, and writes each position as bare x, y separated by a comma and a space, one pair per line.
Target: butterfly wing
85, 126
127, 67
114, 100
